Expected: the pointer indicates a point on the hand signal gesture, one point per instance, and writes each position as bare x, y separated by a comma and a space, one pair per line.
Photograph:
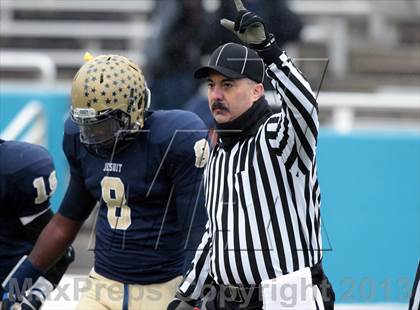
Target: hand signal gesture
248, 27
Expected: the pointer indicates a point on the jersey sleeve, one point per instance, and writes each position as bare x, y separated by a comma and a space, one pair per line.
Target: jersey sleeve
198, 273
188, 155
77, 203
296, 127
34, 183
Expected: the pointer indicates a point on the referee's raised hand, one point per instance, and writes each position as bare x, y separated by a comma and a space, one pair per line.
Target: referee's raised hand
248, 27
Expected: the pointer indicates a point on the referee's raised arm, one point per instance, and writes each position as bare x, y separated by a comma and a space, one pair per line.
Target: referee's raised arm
301, 110
262, 190
287, 80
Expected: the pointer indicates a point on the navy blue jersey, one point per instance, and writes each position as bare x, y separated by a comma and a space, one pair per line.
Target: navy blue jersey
27, 180
150, 197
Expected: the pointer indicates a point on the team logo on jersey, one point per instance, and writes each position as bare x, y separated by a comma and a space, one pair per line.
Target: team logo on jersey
112, 167
202, 153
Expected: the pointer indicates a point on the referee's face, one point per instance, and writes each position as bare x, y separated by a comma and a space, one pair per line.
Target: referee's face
229, 98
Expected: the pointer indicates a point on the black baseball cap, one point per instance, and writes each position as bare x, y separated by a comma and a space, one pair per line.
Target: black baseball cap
234, 61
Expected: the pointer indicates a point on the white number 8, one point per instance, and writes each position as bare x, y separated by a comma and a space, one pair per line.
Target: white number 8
116, 202
41, 191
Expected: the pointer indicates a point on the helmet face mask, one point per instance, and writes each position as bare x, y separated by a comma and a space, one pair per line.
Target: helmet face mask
103, 129
109, 99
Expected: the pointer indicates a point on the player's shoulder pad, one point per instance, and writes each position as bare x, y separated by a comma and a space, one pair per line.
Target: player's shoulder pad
70, 128
164, 123
178, 119
19, 155
185, 133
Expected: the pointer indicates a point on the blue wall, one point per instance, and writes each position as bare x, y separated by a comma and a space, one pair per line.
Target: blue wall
370, 184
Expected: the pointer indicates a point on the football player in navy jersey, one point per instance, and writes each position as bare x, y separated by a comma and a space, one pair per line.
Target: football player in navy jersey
27, 181
145, 170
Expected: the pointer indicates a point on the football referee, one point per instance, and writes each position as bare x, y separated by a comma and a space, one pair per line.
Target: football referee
262, 246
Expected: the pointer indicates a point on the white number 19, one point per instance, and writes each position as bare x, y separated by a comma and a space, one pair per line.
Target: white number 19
41, 191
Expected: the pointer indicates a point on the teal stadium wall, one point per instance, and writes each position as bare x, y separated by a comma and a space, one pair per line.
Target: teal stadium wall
370, 184
55, 105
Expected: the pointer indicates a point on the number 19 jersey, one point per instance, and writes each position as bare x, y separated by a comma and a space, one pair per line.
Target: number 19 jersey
27, 180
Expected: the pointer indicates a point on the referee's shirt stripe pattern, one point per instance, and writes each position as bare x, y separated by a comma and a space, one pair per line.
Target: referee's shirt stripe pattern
263, 197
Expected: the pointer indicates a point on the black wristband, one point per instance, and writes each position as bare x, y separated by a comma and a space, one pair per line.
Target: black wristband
271, 52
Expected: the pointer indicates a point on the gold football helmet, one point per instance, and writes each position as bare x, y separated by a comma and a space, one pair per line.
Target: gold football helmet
109, 98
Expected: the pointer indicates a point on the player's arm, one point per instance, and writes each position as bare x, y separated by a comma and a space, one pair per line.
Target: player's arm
301, 108
45, 266
50, 258
60, 232
196, 278
192, 153
34, 184
74, 209
187, 154
189, 193
44, 285
32, 232
190, 290
51, 245
54, 240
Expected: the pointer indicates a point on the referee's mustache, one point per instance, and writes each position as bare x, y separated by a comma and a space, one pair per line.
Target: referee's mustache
218, 105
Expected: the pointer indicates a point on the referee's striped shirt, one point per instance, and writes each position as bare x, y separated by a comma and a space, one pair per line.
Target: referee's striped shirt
263, 196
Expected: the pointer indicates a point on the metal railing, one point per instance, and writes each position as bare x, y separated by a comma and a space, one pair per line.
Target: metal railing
346, 110
39, 62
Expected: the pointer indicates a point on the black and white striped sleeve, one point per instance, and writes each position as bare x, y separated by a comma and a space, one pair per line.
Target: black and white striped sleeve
197, 275
297, 127
414, 302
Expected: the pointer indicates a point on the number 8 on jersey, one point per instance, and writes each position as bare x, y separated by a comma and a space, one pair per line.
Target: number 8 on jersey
113, 194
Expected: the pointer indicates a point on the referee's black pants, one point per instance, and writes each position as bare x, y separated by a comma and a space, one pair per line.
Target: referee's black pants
230, 298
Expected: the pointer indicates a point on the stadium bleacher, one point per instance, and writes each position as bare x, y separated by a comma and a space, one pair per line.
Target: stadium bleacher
344, 29
366, 42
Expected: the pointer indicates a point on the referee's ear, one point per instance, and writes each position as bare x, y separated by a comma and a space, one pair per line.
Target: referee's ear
257, 91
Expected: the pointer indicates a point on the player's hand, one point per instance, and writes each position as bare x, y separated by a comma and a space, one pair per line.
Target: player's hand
33, 299
8, 301
6, 304
178, 304
20, 279
56, 272
248, 27
37, 295
30, 303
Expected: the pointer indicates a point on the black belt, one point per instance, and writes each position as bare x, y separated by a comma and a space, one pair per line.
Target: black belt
239, 294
